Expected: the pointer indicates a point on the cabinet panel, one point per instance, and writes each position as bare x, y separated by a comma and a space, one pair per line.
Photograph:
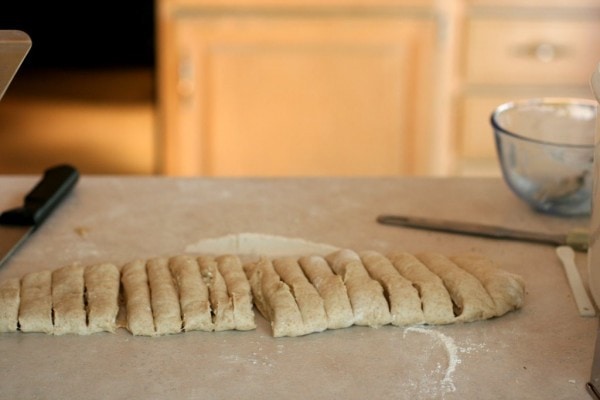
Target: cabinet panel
285, 115
301, 96
477, 141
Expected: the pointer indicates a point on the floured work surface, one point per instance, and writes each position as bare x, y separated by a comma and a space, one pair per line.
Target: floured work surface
544, 350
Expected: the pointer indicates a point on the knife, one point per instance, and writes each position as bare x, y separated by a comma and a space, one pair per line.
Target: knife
17, 224
577, 238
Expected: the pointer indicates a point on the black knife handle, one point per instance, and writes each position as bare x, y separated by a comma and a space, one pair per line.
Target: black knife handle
56, 183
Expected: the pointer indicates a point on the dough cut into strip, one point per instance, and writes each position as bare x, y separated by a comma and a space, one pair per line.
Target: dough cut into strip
274, 299
163, 297
369, 305
239, 291
332, 290
193, 294
137, 298
506, 289
220, 302
35, 310
102, 283
254, 274
472, 301
298, 296
404, 300
68, 300
10, 299
435, 300
308, 299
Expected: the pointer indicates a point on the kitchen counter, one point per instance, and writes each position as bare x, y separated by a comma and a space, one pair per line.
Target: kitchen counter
542, 351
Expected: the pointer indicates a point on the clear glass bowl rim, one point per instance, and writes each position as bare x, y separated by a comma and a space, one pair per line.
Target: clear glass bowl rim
537, 101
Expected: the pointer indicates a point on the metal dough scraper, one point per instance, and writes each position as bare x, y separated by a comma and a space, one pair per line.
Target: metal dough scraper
14, 46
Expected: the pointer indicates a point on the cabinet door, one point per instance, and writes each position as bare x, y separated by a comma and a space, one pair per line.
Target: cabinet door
298, 95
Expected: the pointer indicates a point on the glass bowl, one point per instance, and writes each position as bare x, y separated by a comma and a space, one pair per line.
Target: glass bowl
545, 148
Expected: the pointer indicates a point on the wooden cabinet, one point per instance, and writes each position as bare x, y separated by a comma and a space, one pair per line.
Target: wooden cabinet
381, 87
309, 91
515, 50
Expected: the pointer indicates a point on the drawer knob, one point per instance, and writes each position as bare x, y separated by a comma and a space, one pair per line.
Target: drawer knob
545, 52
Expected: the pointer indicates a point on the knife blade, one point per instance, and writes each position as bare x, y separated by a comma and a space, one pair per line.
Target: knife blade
576, 238
17, 224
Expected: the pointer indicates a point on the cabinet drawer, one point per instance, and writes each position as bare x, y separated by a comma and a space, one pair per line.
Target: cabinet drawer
531, 51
